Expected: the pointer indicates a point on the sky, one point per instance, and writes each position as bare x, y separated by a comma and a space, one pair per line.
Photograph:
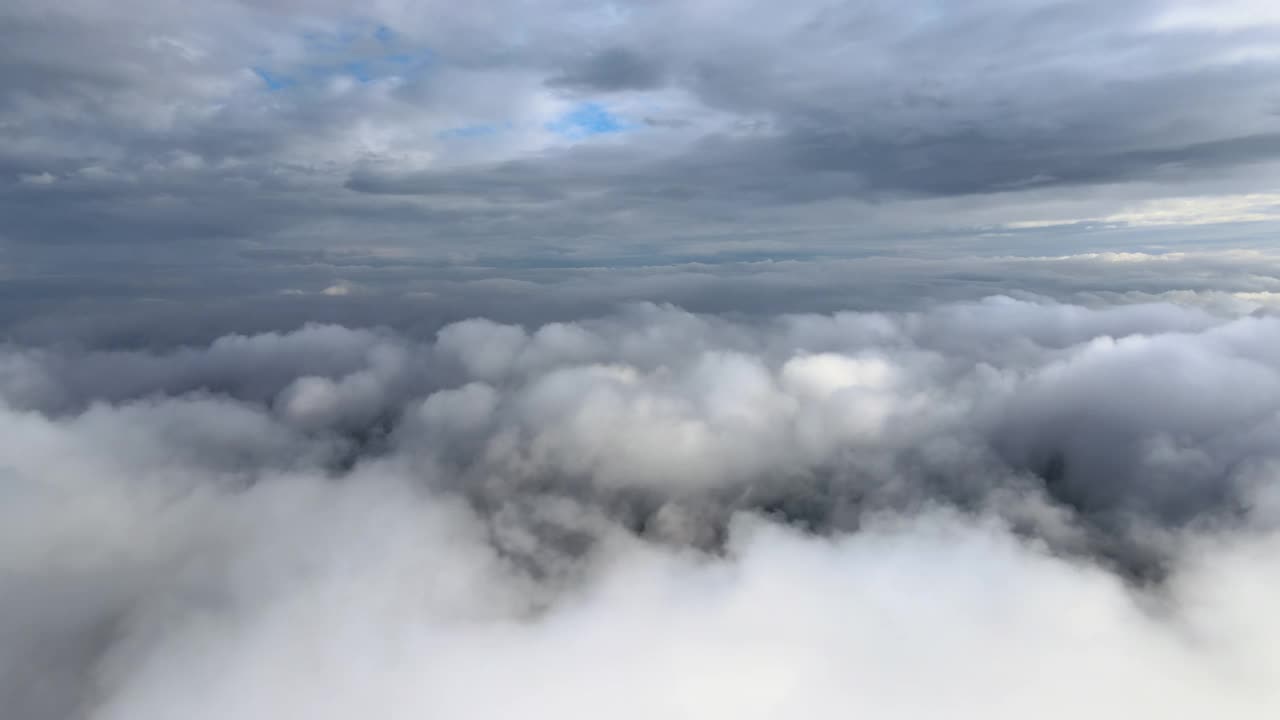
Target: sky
231, 159
647, 358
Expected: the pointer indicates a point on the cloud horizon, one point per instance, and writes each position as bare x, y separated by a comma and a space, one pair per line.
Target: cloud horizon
639, 358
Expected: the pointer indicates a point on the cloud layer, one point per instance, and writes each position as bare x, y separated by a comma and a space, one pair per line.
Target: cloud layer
995, 508
579, 359
214, 138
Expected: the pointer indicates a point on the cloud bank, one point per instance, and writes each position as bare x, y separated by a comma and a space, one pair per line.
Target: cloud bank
992, 509
231, 140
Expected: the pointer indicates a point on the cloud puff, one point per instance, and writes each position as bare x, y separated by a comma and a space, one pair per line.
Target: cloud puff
998, 508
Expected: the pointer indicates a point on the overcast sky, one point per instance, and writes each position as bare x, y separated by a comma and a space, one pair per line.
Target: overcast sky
208, 152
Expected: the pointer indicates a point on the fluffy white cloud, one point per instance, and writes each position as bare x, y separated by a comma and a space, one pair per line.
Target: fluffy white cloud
991, 509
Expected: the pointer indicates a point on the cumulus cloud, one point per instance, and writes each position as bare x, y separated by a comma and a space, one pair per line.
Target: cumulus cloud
990, 508
633, 359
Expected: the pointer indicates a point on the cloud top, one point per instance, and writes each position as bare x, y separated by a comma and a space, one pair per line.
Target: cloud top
996, 507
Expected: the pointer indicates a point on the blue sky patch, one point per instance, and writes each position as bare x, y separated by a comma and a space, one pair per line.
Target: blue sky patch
586, 120
366, 55
272, 80
360, 70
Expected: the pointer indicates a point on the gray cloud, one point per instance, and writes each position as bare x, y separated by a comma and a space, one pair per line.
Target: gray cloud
248, 124
1018, 384
611, 70
112, 306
